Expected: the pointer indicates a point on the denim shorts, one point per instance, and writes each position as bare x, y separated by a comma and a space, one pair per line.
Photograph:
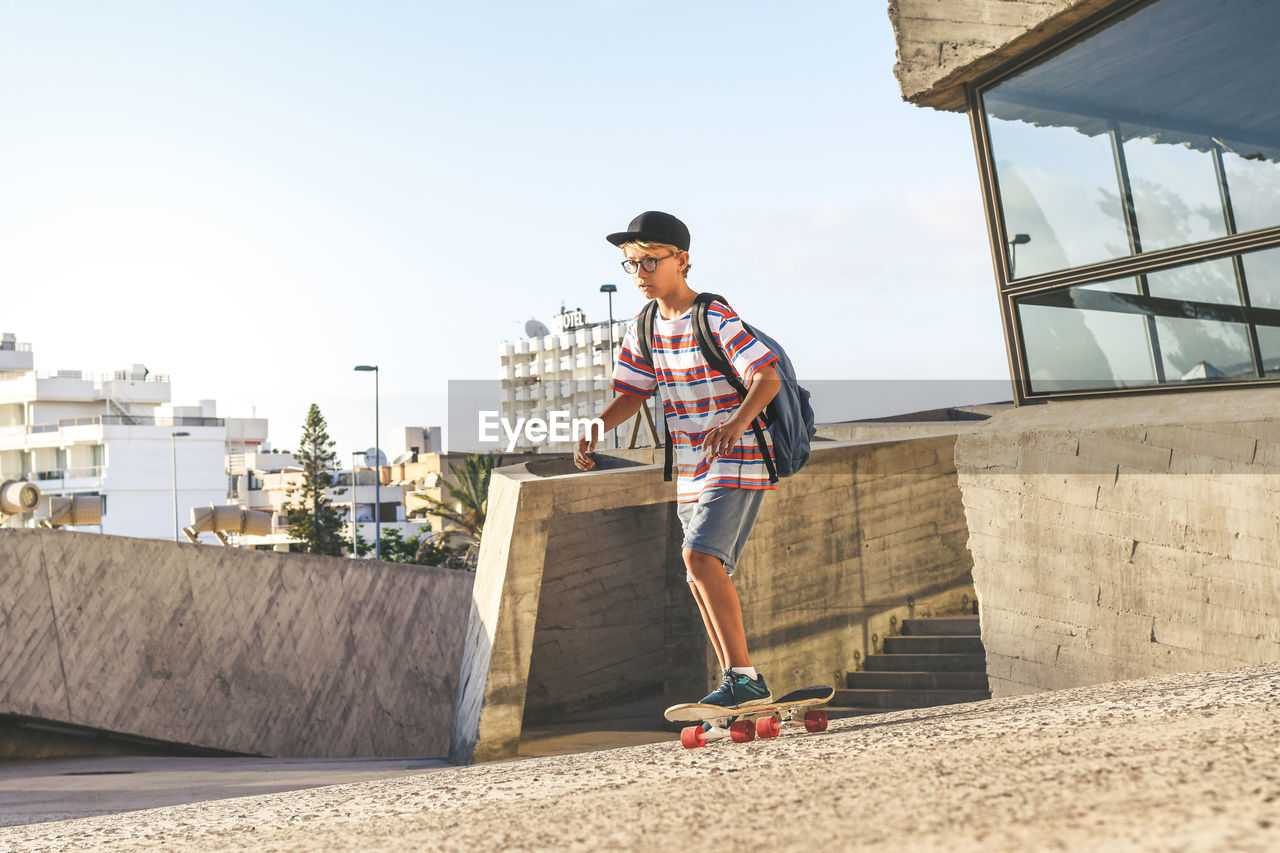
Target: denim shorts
719, 522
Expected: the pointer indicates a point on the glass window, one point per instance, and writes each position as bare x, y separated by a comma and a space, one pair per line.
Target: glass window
1080, 339
1194, 349
1189, 326
1262, 272
1176, 199
1269, 347
1149, 105
1211, 281
1058, 188
1254, 181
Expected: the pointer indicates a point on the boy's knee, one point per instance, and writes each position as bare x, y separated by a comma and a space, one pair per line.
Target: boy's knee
701, 565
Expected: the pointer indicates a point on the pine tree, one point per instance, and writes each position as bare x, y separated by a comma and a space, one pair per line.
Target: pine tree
313, 522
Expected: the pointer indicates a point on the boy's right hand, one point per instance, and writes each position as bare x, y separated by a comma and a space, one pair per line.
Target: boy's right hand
586, 444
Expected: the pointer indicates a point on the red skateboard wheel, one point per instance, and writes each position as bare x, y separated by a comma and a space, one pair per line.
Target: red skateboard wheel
816, 721
768, 726
692, 737
742, 731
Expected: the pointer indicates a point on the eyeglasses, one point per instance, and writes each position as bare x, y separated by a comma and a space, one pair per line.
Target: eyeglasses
649, 264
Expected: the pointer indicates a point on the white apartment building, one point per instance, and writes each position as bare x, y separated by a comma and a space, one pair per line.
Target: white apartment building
116, 436
269, 481
565, 370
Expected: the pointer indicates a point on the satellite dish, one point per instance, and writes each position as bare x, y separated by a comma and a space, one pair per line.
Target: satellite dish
374, 458
536, 329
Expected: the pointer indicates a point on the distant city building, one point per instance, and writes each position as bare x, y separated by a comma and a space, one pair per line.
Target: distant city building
270, 484
419, 441
562, 369
113, 436
266, 482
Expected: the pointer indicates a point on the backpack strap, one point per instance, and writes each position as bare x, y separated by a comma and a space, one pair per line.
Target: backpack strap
669, 454
712, 351
644, 331
715, 355
644, 340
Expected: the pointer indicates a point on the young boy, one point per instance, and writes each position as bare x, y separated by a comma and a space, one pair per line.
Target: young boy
721, 473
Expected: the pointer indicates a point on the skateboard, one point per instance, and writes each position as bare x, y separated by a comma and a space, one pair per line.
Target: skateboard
744, 724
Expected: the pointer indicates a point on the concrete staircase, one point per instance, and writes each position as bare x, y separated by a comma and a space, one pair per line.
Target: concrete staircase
932, 662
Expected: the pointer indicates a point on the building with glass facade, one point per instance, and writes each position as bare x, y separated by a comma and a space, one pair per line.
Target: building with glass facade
1129, 155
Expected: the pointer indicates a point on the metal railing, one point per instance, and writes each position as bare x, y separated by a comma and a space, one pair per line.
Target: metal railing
99, 378
123, 420
91, 473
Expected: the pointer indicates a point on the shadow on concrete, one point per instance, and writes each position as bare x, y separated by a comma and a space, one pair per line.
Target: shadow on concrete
64, 789
629, 724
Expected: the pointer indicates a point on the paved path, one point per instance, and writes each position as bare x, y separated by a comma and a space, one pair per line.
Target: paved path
1189, 762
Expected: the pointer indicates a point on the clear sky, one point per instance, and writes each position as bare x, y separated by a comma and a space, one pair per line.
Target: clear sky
253, 197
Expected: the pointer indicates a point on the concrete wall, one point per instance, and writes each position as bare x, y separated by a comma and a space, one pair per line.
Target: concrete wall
581, 600
866, 533
220, 648
523, 510
944, 43
1121, 538
594, 599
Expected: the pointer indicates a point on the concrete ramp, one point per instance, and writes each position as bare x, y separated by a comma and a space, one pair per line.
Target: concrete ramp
227, 649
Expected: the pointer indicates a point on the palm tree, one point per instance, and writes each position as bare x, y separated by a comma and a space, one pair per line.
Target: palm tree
467, 506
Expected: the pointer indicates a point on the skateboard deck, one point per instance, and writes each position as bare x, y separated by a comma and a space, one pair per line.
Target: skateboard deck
744, 724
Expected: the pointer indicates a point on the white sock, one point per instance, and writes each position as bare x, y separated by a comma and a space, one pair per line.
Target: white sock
748, 671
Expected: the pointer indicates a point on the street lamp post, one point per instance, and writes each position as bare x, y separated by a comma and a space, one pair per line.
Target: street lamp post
377, 464
355, 547
1018, 240
173, 461
611, 289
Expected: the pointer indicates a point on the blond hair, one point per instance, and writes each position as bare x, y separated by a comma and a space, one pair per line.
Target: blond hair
654, 248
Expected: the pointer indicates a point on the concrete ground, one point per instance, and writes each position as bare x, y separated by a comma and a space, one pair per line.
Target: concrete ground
60, 789
1187, 762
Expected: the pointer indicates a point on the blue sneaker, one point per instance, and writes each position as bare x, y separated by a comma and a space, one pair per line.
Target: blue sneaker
738, 691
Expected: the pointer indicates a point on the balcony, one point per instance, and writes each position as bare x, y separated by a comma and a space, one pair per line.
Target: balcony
68, 478
124, 420
15, 357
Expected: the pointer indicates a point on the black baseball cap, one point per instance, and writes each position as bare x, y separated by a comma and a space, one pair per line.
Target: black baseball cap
654, 226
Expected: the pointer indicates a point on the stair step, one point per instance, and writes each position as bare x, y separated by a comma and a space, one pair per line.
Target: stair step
917, 680
907, 698
927, 663
933, 644
956, 625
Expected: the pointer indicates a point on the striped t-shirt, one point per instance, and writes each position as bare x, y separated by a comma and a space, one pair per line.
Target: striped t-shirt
696, 398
